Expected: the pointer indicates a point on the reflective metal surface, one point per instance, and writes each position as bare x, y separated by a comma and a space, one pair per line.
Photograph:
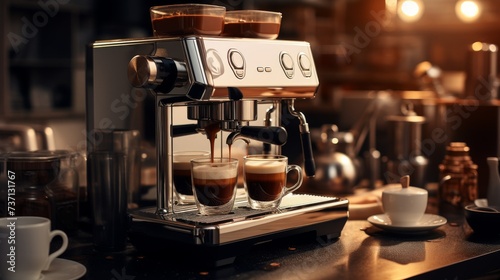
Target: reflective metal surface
26, 137
216, 87
246, 223
242, 110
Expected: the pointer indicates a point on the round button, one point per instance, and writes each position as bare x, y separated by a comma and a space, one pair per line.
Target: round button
304, 62
237, 63
287, 61
237, 60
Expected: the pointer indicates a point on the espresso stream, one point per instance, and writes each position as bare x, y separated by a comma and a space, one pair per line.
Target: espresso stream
211, 130
219, 191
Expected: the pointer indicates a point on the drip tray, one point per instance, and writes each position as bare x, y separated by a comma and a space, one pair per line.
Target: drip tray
220, 238
189, 213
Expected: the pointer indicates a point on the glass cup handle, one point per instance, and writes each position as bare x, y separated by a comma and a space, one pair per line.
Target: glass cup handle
60, 250
299, 180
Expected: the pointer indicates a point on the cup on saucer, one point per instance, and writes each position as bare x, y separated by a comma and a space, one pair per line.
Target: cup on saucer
25, 247
404, 205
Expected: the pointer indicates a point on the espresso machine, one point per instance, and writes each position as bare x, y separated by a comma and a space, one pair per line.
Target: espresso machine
212, 81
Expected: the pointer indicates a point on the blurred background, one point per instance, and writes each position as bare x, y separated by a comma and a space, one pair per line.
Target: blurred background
396, 52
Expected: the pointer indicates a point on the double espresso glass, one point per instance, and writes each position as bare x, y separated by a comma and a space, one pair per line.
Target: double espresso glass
266, 180
214, 182
213, 20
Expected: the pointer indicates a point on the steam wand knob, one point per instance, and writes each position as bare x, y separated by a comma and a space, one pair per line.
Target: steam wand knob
158, 73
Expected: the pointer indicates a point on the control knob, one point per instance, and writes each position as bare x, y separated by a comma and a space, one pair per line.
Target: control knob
157, 73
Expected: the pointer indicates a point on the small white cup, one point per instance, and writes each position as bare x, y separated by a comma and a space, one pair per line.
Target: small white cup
25, 247
404, 206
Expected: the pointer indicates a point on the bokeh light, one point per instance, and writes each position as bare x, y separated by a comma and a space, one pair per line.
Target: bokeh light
410, 10
468, 10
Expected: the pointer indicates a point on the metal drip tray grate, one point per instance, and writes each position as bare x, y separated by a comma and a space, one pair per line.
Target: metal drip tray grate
238, 213
189, 213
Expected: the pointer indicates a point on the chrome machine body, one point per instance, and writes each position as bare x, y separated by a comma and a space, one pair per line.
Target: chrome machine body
218, 80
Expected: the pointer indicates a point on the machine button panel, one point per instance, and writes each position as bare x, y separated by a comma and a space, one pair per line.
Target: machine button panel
256, 63
237, 63
305, 65
287, 64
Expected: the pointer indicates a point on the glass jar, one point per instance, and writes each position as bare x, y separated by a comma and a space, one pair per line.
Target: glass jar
458, 176
28, 177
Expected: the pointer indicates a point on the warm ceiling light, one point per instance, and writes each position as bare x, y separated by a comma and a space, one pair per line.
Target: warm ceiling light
467, 10
480, 46
410, 10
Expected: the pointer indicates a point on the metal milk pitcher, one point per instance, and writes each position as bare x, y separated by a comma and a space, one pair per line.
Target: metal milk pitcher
406, 158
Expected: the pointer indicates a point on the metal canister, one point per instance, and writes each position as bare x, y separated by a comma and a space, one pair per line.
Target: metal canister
481, 80
405, 156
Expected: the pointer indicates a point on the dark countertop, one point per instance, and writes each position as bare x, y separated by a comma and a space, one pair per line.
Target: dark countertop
451, 251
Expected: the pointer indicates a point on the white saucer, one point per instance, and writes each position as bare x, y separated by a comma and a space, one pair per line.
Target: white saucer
426, 223
61, 269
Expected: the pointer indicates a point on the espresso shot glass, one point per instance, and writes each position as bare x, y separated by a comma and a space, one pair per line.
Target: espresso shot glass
214, 184
265, 180
181, 173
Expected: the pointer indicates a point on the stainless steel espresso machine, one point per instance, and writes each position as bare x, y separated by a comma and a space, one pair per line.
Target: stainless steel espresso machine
213, 81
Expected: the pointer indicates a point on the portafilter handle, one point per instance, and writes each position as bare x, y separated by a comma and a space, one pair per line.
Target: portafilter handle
184, 129
267, 134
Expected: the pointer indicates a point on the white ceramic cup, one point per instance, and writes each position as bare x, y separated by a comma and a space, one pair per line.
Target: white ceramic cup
25, 247
404, 206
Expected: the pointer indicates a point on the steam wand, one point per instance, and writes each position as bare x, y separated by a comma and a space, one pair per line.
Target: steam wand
305, 137
267, 122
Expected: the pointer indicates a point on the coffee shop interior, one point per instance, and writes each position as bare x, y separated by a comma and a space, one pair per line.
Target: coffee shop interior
406, 88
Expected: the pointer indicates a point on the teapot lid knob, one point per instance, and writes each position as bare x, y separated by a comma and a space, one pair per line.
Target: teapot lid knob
405, 181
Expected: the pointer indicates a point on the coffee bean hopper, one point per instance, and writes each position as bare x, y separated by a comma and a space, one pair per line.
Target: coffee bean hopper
198, 82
